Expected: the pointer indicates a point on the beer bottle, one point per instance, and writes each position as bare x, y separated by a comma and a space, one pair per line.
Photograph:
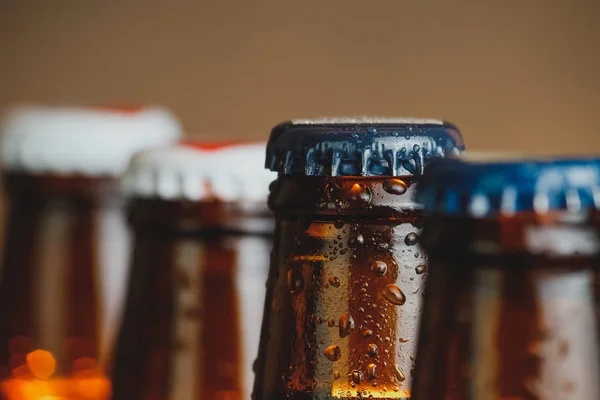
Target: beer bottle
347, 272
202, 241
511, 310
66, 243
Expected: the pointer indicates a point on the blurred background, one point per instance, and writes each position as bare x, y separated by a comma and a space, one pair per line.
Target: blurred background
515, 75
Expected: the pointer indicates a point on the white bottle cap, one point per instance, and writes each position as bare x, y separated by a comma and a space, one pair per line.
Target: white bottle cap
188, 171
68, 140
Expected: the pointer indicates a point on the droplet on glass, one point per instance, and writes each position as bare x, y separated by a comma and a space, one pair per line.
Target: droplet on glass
295, 281
336, 375
399, 375
358, 193
393, 295
395, 186
421, 269
334, 281
346, 325
371, 372
378, 268
356, 240
411, 239
357, 377
367, 333
333, 353
372, 349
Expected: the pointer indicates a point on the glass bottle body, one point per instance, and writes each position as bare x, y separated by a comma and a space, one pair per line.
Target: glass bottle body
190, 328
511, 310
344, 290
65, 259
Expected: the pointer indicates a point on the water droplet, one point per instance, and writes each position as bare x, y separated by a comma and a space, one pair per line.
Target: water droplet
399, 375
372, 349
356, 240
367, 333
395, 134
331, 322
395, 186
333, 353
338, 224
411, 239
358, 193
371, 371
334, 281
402, 340
295, 281
416, 148
372, 129
378, 268
393, 295
421, 269
346, 325
357, 377
336, 375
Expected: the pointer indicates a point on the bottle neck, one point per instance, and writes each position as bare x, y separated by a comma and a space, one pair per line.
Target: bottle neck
42, 189
200, 218
516, 300
344, 197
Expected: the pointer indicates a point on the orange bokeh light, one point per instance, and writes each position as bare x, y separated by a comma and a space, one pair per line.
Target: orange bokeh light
32, 380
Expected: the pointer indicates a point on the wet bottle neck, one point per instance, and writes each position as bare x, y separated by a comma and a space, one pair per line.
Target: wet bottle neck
343, 290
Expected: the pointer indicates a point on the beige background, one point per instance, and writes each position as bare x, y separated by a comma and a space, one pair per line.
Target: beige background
518, 75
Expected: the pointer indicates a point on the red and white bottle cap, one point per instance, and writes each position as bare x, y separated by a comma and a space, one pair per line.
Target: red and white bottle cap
197, 171
68, 140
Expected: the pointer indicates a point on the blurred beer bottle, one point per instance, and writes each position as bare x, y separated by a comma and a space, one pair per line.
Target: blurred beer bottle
511, 310
202, 241
66, 243
347, 272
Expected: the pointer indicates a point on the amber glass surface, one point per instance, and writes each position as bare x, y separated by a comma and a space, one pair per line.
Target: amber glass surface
344, 290
52, 342
511, 310
192, 319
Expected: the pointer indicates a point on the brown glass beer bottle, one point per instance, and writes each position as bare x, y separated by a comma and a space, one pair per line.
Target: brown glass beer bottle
511, 310
202, 241
347, 272
66, 244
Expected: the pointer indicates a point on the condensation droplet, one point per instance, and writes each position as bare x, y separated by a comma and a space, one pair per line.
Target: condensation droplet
356, 240
421, 269
367, 333
333, 353
346, 325
336, 375
399, 375
378, 268
357, 377
402, 340
372, 349
358, 193
411, 239
371, 372
331, 322
334, 281
295, 281
393, 295
395, 186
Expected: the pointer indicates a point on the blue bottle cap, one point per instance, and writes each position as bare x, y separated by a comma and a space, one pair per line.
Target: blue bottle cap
360, 146
489, 188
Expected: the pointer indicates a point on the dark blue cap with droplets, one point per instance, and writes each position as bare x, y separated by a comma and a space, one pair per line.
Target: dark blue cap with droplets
489, 188
360, 146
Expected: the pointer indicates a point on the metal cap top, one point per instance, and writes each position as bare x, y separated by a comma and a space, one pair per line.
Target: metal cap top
480, 188
360, 146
